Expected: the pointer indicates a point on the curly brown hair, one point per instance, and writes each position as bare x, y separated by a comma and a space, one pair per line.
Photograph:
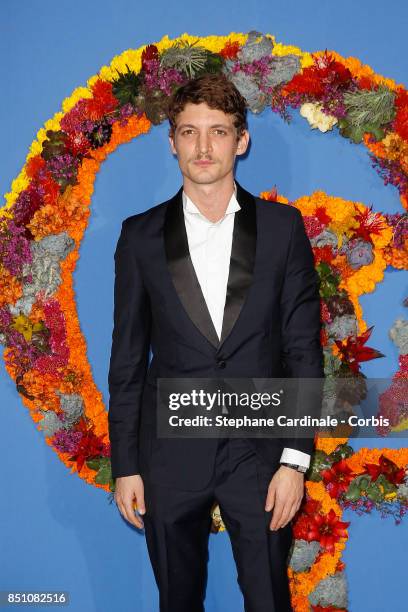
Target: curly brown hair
217, 91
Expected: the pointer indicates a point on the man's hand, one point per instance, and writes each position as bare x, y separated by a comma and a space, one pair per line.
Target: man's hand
285, 495
129, 493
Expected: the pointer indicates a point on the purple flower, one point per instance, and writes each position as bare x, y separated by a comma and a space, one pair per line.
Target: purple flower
399, 224
14, 248
28, 202
66, 440
161, 78
63, 168
5, 318
390, 171
126, 111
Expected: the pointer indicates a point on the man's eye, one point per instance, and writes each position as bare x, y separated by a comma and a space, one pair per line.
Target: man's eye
189, 131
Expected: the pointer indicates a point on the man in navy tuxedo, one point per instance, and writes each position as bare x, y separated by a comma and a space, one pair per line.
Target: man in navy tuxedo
218, 283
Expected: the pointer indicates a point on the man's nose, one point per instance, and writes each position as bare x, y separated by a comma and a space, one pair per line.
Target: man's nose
203, 143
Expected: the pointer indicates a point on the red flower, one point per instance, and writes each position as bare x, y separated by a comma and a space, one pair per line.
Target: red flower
272, 195
77, 143
301, 524
89, 446
34, 165
323, 337
322, 215
352, 350
337, 478
332, 69
230, 50
103, 100
326, 72
365, 82
312, 506
325, 315
326, 529
51, 188
313, 226
401, 117
324, 253
149, 53
391, 471
307, 82
370, 223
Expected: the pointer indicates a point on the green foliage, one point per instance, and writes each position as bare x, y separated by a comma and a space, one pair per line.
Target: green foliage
213, 64
101, 465
54, 145
343, 451
367, 111
320, 461
363, 485
191, 59
126, 87
329, 281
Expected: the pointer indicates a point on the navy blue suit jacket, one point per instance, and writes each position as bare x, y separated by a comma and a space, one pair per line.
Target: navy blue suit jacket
271, 328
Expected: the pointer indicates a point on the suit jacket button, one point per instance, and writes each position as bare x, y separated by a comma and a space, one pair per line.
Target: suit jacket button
221, 363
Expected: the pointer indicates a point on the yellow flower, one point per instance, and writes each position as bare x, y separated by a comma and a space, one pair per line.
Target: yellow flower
23, 325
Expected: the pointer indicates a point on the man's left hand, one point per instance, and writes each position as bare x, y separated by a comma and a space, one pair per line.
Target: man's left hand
285, 493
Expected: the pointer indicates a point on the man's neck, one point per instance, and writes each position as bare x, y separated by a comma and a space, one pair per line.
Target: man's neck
211, 199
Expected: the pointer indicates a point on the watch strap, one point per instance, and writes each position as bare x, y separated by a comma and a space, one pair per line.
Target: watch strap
295, 466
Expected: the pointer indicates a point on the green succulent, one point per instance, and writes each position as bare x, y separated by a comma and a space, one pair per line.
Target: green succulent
191, 59
343, 451
126, 87
376, 490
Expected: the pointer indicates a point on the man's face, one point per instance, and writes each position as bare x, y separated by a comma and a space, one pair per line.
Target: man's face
205, 142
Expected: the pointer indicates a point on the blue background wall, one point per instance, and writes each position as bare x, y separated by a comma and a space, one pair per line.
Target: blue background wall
57, 533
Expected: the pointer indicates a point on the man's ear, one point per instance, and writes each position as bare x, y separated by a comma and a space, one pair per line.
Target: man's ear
243, 143
171, 141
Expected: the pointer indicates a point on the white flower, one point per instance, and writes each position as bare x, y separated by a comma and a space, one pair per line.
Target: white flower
316, 118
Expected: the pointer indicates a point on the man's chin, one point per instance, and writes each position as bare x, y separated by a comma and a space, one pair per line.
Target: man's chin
202, 178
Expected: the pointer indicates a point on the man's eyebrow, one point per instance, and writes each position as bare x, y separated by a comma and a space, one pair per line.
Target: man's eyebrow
216, 125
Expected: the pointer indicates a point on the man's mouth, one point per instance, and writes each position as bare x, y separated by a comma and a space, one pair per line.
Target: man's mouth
203, 162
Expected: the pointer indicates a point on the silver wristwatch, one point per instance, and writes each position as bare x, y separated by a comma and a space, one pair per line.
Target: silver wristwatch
295, 466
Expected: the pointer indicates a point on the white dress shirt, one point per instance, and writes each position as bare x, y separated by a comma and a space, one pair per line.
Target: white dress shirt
210, 251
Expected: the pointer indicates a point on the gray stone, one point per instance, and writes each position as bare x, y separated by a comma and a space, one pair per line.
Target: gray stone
331, 591
303, 555
343, 326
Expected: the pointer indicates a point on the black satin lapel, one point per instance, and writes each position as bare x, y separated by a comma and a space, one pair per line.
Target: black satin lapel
182, 270
242, 261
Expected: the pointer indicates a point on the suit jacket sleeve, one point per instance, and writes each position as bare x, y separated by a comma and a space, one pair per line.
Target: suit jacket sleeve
302, 353
129, 356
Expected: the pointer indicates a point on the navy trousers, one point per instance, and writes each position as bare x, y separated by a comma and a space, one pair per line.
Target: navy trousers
177, 528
